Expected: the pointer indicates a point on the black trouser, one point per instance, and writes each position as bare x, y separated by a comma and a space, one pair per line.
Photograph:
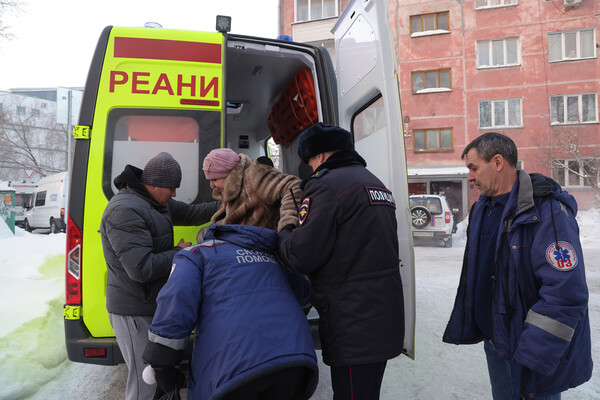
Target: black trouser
287, 384
357, 382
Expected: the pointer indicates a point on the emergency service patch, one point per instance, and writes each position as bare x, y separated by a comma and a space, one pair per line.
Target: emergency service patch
562, 258
303, 213
379, 196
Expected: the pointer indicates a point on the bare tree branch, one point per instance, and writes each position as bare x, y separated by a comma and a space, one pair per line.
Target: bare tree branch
569, 152
30, 139
6, 6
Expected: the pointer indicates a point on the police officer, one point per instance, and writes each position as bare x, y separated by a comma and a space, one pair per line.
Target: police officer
346, 242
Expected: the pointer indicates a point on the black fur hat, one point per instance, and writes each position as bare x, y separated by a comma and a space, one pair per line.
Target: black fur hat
321, 138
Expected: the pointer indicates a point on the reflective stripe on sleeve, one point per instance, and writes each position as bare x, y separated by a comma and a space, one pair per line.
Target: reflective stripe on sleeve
175, 344
550, 325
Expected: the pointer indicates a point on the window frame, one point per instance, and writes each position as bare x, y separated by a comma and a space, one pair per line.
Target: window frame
426, 89
423, 32
438, 149
578, 48
487, 7
490, 42
309, 11
506, 114
565, 180
566, 120
209, 137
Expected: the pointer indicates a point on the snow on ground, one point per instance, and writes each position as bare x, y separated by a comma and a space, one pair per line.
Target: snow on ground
34, 365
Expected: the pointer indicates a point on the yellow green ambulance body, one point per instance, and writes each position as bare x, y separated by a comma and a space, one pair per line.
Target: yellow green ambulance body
187, 92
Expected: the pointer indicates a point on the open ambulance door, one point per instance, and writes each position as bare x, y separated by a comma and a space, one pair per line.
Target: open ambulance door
369, 107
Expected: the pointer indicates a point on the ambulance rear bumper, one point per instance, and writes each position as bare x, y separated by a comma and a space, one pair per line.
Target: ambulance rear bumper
79, 341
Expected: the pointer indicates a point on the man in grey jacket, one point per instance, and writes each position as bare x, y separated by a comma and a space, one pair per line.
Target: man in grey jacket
138, 243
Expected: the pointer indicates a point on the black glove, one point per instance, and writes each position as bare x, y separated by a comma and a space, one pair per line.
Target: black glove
169, 379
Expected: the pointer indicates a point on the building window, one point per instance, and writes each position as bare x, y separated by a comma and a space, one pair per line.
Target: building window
572, 45
504, 113
479, 4
433, 139
431, 81
498, 53
429, 24
35, 112
310, 10
20, 110
573, 108
44, 105
573, 173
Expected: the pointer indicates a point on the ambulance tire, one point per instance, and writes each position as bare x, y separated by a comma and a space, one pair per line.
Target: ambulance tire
420, 217
53, 227
26, 226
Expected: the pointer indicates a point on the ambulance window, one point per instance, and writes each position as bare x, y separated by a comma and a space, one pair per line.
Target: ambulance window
370, 136
40, 198
369, 120
135, 136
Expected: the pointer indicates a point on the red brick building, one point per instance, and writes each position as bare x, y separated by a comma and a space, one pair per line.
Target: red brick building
526, 68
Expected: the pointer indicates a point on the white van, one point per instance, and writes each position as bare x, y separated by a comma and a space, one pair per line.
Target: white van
48, 204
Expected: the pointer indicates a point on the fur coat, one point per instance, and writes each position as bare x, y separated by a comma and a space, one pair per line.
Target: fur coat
259, 195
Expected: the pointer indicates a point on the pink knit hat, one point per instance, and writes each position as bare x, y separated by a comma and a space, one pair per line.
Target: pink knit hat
219, 163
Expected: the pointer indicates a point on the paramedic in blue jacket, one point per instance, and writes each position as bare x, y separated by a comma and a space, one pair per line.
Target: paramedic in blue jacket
522, 289
252, 339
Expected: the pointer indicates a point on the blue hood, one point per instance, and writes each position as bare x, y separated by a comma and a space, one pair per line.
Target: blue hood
246, 236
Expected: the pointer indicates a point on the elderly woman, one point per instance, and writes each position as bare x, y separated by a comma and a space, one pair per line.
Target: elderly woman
251, 193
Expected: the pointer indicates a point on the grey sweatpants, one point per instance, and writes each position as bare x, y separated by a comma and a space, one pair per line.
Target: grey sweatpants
132, 336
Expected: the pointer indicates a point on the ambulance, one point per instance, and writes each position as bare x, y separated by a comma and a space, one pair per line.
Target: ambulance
185, 92
23, 196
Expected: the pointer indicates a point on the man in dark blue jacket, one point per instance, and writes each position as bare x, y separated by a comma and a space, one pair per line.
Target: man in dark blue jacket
522, 288
346, 242
252, 339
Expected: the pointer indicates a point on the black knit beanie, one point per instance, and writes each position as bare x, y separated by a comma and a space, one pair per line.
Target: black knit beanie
321, 138
162, 171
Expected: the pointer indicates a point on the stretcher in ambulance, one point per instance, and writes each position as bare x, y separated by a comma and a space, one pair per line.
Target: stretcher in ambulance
186, 92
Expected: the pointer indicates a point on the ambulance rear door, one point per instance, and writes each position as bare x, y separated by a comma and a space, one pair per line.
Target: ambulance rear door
369, 107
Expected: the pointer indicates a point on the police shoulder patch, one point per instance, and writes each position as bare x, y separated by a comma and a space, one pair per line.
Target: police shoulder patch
380, 196
303, 213
562, 257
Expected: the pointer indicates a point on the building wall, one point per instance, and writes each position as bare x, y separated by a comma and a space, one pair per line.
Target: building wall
533, 79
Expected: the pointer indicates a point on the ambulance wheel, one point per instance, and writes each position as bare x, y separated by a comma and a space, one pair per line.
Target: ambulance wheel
53, 227
420, 216
26, 226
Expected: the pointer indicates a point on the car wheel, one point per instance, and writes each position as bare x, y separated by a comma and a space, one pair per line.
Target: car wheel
420, 216
53, 227
27, 226
448, 242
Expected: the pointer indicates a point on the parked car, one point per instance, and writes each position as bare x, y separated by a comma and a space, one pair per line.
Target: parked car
431, 218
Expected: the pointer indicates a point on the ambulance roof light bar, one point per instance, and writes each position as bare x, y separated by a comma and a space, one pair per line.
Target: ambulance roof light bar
151, 24
223, 23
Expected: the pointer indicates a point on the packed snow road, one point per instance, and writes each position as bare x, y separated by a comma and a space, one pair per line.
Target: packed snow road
34, 364
440, 371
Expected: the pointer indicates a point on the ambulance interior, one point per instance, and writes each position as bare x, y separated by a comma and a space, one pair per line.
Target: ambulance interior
270, 91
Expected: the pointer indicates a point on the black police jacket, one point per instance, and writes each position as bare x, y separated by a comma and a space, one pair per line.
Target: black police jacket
346, 242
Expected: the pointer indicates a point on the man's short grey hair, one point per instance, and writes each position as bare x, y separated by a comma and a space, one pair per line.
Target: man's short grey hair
491, 143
